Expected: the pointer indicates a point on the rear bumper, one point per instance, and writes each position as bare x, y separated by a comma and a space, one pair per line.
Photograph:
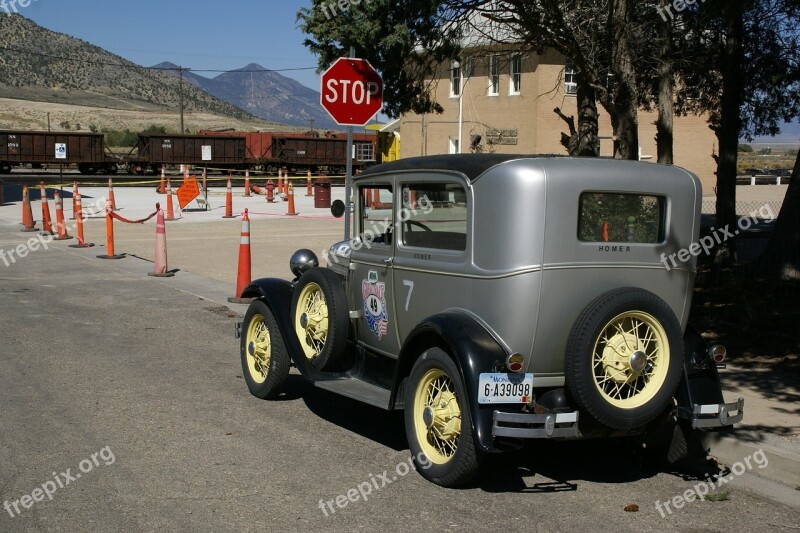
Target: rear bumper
535, 426
717, 415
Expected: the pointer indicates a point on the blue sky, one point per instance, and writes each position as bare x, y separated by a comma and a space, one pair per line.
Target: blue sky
201, 34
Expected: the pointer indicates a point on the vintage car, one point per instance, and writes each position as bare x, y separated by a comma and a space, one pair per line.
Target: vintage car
496, 298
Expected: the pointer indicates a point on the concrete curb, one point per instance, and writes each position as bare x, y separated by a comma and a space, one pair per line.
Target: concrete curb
783, 456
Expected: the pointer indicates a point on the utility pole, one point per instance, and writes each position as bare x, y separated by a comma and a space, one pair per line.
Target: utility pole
180, 70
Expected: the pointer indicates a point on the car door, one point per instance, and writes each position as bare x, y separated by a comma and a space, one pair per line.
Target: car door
371, 264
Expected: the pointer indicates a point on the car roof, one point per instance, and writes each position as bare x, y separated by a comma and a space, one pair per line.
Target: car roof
470, 165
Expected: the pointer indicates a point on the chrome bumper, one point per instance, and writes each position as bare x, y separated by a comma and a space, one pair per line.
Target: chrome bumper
717, 415
535, 426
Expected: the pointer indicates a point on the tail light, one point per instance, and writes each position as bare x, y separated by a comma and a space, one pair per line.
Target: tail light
514, 362
717, 353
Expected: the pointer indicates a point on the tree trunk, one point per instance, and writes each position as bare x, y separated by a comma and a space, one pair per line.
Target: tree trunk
730, 124
588, 138
665, 95
626, 120
781, 258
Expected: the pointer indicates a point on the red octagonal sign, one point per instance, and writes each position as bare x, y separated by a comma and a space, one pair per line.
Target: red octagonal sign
352, 91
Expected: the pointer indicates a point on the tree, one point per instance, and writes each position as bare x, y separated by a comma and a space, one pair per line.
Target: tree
781, 258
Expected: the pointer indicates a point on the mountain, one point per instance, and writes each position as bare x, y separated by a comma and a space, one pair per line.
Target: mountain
41, 65
263, 93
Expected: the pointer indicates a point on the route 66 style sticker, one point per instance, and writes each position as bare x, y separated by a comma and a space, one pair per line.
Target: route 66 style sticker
374, 294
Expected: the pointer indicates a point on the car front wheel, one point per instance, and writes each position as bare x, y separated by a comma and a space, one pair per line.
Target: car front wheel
437, 420
265, 361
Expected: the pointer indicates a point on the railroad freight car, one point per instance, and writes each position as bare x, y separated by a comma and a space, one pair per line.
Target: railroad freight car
156, 150
299, 152
85, 150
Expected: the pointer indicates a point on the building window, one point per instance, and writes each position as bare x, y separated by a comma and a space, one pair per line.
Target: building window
455, 79
494, 75
469, 68
365, 152
516, 75
570, 79
454, 146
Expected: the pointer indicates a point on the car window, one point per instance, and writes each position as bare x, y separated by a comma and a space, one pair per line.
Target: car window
434, 215
376, 209
611, 217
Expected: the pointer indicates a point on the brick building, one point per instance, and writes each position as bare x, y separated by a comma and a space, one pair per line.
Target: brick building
508, 99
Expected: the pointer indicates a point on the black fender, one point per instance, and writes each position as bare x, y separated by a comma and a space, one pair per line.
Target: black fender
700, 381
472, 347
277, 294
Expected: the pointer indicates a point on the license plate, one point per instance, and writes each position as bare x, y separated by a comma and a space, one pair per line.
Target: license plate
505, 388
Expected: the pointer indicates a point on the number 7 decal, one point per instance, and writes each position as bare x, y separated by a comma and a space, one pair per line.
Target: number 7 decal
410, 284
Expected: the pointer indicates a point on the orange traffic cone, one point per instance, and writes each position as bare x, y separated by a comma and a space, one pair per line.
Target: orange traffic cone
111, 195
27, 213
243, 275
170, 210
186, 173
229, 201
286, 183
160, 269
161, 186
110, 235
61, 226
291, 210
47, 224
74, 203
247, 182
280, 181
308, 184
79, 217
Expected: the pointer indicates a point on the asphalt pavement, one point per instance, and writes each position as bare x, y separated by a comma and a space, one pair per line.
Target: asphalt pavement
134, 383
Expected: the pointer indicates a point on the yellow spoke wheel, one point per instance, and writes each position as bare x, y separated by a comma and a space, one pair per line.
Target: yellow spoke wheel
438, 422
624, 358
265, 361
311, 320
629, 360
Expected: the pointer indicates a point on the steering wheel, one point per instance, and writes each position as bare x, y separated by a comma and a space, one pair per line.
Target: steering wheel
410, 223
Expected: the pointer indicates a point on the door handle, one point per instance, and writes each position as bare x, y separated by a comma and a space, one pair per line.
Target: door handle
388, 262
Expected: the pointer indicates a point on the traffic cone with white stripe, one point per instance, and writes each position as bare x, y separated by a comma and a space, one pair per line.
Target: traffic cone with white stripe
291, 211
27, 212
160, 269
229, 200
74, 202
111, 199
47, 223
247, 182
170, 209
308, 184
161, 186
243, 276
79, 217
110, 235
61, 225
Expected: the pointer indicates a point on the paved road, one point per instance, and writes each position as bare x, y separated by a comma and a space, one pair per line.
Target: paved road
137, 387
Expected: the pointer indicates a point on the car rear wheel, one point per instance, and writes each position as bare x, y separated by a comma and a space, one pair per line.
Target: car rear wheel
437, 420
624, 358
320, 316
265, 361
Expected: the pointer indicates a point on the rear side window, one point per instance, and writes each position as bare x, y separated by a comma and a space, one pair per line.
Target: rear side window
434, 215
613, 217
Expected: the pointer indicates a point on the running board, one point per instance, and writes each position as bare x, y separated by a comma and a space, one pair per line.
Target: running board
358, 390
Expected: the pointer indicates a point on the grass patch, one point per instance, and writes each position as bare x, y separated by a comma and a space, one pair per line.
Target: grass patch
718, 496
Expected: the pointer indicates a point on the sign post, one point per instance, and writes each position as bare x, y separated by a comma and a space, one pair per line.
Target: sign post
352, 93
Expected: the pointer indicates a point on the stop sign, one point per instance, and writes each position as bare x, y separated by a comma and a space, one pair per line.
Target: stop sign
352, 92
